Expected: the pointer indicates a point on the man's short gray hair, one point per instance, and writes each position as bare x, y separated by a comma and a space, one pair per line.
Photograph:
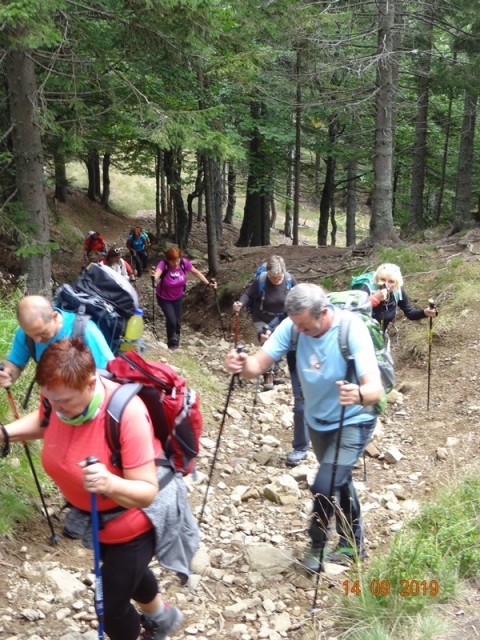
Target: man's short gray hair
275, 266
305, 296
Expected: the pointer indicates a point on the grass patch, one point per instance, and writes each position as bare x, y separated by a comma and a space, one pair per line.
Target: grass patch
435, 550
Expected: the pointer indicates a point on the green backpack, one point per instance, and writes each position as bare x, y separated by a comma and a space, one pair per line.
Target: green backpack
368, 279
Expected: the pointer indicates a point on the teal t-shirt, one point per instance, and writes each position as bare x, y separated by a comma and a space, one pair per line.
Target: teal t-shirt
19, 354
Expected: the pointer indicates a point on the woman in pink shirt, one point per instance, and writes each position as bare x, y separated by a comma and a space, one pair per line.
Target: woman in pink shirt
71, 422
170, 280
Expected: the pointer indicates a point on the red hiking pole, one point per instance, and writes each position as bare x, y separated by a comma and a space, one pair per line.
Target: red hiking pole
54, 538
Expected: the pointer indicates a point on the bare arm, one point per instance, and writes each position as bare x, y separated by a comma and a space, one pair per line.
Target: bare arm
157, 275
137, 488
248, 366
9, 374
27, 428
198, 274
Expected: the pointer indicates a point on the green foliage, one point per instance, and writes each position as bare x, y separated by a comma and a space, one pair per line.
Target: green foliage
437, 548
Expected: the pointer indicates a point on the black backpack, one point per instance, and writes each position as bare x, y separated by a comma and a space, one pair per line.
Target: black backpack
102, 295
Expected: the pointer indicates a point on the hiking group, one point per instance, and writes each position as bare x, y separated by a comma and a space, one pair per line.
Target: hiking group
119, 433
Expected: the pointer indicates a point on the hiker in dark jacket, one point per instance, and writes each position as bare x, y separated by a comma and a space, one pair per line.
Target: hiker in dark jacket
387, 293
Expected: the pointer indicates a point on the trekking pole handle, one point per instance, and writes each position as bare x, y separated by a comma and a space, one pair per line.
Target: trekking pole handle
431, 304
91, 460
2, 368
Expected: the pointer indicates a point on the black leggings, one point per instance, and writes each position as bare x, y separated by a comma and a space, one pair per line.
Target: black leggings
172, 310
126, 576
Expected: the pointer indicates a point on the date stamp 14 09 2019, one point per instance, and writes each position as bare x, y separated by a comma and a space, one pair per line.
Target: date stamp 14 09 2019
406, 588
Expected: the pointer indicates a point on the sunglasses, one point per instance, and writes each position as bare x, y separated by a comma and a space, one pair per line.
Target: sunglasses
118, 250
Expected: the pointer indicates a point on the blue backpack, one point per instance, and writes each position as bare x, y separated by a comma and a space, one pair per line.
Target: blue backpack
261, 274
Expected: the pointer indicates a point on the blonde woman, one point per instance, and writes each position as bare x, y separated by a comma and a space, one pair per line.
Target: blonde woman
387, 293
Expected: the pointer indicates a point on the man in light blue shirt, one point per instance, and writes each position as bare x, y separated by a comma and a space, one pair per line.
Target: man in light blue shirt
338, 404
43, 324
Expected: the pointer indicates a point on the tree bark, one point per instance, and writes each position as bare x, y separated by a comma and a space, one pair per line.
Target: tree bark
210, 217
416, 220
287, 227
28, 158
93, 172
381, 222
350, 232
173, 171
463, 192
60, 176
328, 192
106, 180
231, 193
298, 147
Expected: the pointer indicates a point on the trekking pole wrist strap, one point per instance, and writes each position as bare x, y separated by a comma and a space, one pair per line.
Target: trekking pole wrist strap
6, 442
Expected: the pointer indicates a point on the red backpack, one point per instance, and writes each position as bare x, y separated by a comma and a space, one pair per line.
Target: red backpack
173, 408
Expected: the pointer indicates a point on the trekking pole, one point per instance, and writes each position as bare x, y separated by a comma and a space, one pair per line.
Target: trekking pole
431, 304
54, 538
96, 556
219, 312
331, 494
239, 347
236, 328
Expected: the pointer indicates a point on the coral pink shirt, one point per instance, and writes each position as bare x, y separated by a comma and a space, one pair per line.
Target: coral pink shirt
65, 445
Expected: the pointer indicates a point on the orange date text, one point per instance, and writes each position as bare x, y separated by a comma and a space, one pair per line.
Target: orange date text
406, 588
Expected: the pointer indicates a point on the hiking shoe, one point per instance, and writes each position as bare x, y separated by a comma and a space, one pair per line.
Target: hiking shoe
346, 556
295, 457
311, 560
268, 381
163, 625
278, 379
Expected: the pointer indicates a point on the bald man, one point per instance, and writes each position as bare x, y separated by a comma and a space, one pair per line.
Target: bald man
44, 324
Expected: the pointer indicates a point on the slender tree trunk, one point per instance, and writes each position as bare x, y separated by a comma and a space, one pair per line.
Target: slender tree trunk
351, 236
328, 193
216, 176
28, 158
105, 180
446, 144
298, 147
463, 193
416, 220
60, 176
232, 193
273, 211
318, 177
158, 188
210, 217
173, 172
197, 193
287, 227
93, 172
381, 222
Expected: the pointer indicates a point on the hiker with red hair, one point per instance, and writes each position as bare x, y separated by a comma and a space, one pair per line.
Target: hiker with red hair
170, 281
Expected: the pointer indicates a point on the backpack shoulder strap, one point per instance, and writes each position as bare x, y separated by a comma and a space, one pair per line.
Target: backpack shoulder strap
80, 323
289, 280
113, 418
343, 333
30, 344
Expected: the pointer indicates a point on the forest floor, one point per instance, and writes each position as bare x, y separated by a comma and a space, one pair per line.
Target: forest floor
438, 446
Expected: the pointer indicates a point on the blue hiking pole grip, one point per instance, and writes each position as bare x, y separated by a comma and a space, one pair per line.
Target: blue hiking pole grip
96, 555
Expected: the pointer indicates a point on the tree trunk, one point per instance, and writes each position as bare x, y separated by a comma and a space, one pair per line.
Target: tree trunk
381, 222
158, 191
173, 172
255, 229
210, 217
416, 220
287, 227
328, 192
197, 193
93, 172
216, 176
446, 144
232, 194
28, 158
60, 176
463, 192
350, 232
273, 211
298, 148
106, 180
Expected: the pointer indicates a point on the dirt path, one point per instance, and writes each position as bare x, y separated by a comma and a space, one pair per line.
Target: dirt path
438, 446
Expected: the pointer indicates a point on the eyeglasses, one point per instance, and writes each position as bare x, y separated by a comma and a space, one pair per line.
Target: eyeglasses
118, 250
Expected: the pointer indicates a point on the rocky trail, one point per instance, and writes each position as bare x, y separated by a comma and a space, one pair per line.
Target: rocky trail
246, 580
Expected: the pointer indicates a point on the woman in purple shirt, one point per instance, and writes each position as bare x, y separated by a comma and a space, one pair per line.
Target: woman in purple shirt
170, 280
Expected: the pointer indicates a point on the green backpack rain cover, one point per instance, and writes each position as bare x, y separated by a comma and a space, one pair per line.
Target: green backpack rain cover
358, 302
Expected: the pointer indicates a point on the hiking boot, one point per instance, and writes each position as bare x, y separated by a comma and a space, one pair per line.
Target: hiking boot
268, 381
162, 625
346, 556
278, 379
311, 560
295, 457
